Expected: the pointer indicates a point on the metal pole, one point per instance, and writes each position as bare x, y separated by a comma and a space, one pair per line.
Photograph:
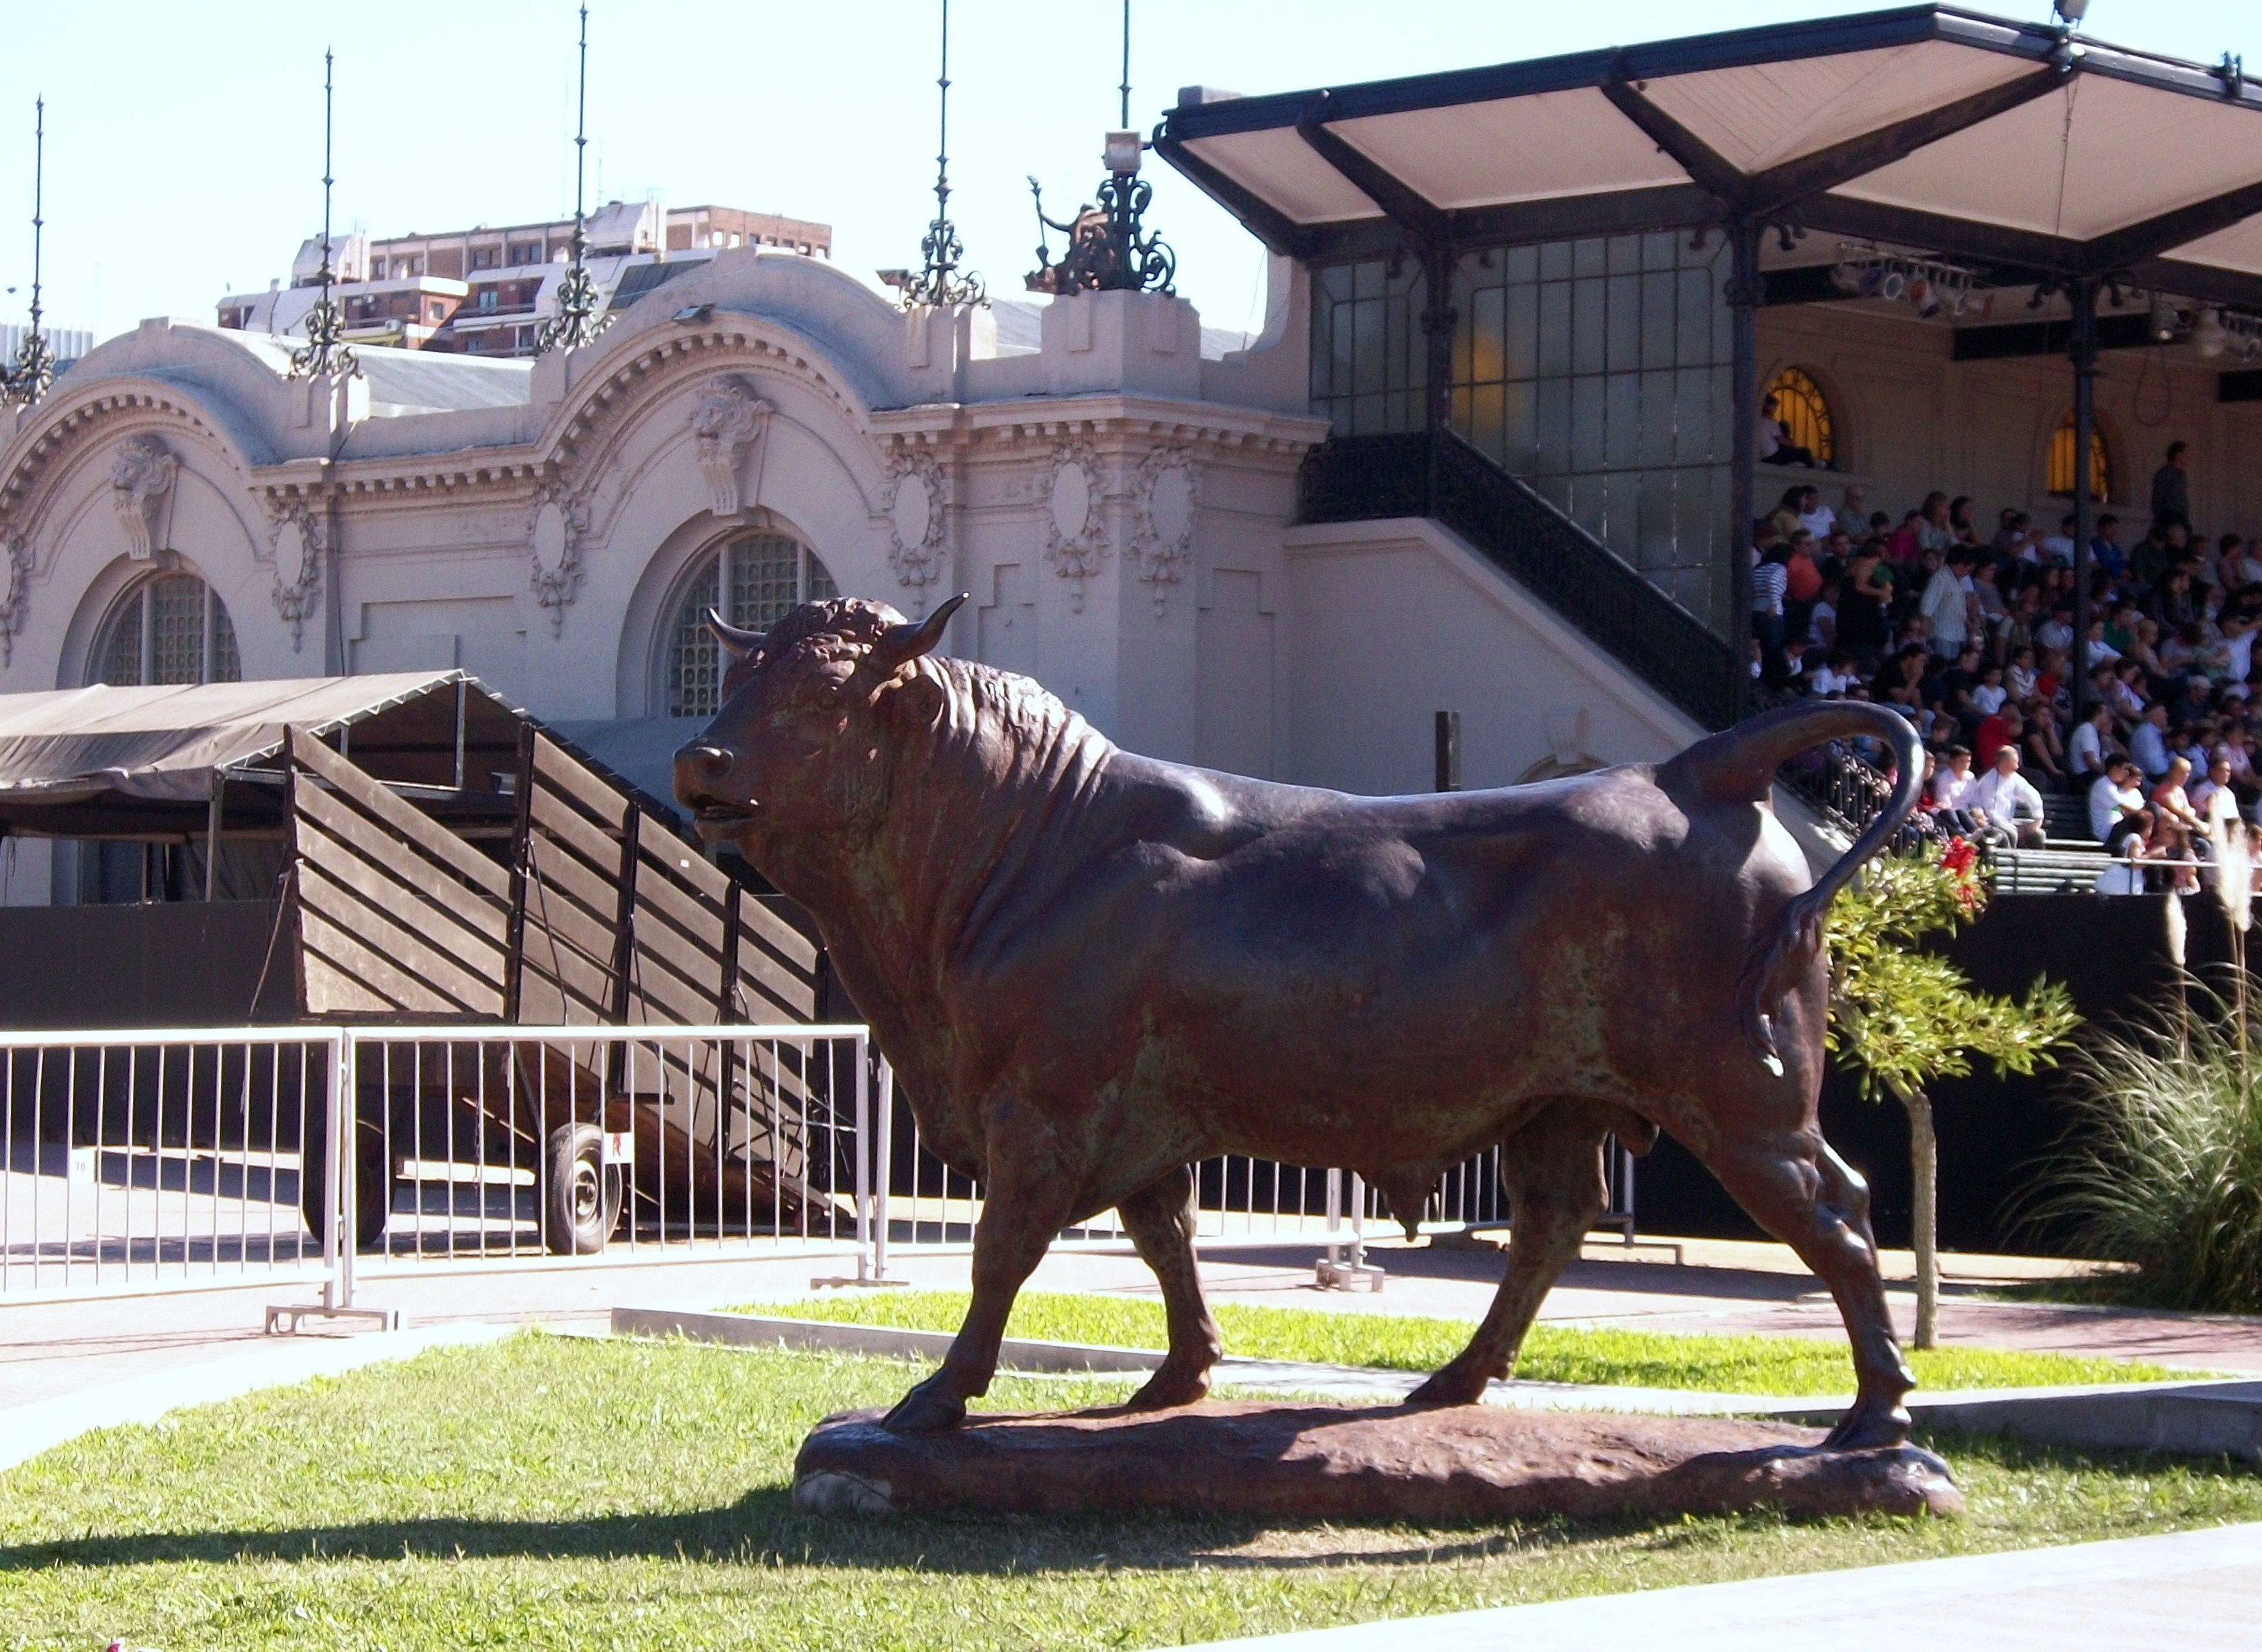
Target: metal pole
1449, 751
212, 837
338, 1183
885, 1157
863, 1162
2083, 295
1743, 296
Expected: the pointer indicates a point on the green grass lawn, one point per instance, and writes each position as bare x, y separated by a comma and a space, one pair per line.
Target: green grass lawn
1552, 1354
549, 1492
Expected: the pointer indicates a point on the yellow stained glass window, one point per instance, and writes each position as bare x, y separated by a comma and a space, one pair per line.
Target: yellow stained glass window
2061, 463
1804, 413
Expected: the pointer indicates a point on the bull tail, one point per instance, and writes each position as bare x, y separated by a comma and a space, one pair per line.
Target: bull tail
1738, 766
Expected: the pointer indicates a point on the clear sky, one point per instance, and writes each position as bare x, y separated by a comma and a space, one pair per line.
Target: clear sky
183, 138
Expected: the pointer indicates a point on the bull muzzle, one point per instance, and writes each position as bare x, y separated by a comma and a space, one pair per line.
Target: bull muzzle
703, 771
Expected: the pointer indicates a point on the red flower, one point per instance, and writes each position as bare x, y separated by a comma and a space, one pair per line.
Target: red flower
1958, 860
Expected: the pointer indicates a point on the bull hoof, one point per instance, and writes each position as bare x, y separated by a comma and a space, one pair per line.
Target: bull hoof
1451, 1385
1168, 1390
925, 1411
1870, 1427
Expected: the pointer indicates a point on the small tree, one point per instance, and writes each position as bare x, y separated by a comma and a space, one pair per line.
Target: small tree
1903, 1018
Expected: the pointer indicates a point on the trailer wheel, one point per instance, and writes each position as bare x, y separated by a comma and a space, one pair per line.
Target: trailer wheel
375, 1176
580, 1192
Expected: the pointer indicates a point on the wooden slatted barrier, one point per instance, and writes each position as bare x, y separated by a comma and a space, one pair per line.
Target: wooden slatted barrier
396, 916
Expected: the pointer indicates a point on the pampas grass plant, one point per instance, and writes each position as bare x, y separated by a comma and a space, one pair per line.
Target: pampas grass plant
2164, 1165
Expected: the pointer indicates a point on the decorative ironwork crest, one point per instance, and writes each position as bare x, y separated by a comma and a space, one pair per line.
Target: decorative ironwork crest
325, 352
32, 373
941, 282
577, 322
1108, 248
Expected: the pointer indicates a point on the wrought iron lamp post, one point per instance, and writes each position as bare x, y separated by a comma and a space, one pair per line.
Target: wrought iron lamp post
577, 322
941, 282
27, 379
325, 351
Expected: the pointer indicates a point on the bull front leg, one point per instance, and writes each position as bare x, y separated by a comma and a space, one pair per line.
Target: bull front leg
1552, 1170
1160, 1218
1026, 1199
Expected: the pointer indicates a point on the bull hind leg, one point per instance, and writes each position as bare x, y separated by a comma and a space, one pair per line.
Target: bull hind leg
1801, 1192
1553, 1169
1160, 1218
1026, 1203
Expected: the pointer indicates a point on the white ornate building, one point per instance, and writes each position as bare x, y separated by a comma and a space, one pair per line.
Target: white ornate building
763, 430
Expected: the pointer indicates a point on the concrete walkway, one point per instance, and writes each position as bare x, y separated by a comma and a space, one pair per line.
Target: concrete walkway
2185, 1590
50, 1349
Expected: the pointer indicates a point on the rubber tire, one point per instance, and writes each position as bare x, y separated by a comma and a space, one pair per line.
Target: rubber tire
374, 1179
580, 1192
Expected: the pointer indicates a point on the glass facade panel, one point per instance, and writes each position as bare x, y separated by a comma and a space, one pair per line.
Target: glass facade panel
1594, 413
1597, 370
171, 629
770, 575
1370, 370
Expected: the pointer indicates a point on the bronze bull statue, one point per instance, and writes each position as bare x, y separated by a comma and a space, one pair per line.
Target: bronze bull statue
1092, 970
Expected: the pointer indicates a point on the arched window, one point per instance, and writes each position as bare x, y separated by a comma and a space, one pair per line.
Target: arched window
171, 628
2061, 462
753, 582
1804, 412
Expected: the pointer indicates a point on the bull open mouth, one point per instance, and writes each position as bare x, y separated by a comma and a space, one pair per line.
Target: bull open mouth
714, 817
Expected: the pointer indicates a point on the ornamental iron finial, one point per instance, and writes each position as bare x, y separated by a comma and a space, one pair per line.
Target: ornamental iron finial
1109, 249
325, 351
577, 322
940, 283
27, 378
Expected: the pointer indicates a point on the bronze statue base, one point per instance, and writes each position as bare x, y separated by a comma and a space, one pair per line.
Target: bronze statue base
1304, 1461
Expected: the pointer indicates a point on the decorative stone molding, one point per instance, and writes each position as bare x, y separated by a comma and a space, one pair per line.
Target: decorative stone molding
918, 523
299, 536
725, 421
556, 518
16, 603
1075, 538
140, 481
1162, 500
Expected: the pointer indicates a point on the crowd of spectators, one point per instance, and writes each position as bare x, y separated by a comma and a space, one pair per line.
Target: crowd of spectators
1966, 626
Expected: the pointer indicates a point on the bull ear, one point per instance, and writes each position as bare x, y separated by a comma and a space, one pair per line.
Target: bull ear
906, 642
736, 643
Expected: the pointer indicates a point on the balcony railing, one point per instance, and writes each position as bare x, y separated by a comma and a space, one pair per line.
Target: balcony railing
1367, 478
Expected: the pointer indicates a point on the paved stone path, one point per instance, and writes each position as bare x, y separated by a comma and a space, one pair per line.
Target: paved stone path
2184, 1589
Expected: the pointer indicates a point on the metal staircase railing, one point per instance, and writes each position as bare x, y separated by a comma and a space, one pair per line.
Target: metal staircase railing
1367, 478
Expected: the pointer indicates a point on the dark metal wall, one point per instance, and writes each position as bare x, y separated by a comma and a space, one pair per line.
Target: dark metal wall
191, 964
2111, 952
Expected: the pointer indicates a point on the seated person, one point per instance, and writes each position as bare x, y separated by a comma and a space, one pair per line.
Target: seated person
2010, 807
1956, 792
2114, 799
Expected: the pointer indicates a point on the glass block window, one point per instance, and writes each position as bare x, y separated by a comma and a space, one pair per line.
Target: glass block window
1804, 413
753, 582
1369, 371
1599, 371
169, 629
2061, 462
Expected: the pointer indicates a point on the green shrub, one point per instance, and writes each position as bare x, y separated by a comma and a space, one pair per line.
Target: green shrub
2164, 1165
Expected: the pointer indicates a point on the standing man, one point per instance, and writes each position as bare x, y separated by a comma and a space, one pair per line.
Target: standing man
2172, 489
1944, 604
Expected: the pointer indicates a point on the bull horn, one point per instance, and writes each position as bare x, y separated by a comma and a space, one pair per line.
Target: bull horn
736, 643
906, 642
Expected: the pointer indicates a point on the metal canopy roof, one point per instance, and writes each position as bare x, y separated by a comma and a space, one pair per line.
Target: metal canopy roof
2018, 146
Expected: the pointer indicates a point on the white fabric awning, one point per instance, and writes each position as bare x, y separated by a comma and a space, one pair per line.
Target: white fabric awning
2013, 145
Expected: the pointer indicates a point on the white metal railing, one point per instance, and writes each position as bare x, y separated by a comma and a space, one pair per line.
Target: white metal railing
642, 1143
138, 1162
164, 1160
